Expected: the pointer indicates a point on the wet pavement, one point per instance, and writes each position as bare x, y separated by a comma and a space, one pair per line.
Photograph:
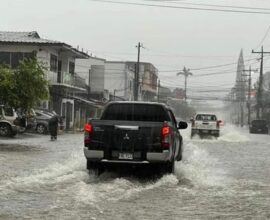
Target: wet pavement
224, 178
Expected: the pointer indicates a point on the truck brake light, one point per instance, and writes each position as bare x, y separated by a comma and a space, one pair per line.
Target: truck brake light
88, 128
218, 123
88, 131
166, 137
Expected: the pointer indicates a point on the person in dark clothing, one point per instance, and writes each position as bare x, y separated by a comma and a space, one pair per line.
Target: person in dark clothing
53, 127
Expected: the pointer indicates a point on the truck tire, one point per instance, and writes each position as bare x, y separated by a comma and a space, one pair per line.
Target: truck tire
168, 168
179, 155
94, 167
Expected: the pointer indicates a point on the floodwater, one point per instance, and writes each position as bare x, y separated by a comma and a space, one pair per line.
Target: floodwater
224, 178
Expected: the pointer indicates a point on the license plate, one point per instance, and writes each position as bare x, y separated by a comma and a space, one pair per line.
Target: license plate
125, 156
204, 131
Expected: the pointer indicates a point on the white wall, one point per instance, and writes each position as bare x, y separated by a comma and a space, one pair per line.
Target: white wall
118, 78
97, 78
82, 66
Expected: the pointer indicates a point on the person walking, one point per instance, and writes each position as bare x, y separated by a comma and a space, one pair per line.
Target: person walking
53, 127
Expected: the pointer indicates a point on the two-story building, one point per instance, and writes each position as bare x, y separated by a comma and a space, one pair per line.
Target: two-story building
65, 85
119, 80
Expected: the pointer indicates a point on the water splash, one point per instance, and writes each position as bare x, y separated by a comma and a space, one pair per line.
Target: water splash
199, 168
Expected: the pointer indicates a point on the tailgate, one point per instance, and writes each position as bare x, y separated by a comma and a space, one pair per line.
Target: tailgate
209, 125
127, 140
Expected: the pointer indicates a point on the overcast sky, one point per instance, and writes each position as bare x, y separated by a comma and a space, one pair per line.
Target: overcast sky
172, 37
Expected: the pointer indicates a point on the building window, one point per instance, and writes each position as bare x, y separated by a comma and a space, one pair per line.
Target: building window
13, 59
53, 63
71, 67
5, 58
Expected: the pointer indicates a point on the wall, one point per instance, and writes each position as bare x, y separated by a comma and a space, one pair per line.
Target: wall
82, 66
119, 80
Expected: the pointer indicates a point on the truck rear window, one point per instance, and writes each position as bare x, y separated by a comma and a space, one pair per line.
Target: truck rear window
135, 112
206, 118
258, 123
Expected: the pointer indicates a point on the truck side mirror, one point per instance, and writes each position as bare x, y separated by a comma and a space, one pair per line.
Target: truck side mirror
182, 125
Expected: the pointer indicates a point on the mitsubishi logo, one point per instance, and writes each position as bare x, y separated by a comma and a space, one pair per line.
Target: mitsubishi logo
126, 137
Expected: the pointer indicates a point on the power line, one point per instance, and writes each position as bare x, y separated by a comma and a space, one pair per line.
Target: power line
181, 7
264, 37
221, 65
220, 6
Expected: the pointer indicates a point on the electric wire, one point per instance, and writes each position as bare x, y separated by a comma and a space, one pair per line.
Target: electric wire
181, 7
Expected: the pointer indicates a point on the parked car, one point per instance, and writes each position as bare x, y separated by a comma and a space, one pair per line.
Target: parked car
259, 126
205, 124
134, 133
8, 117
42, 121
43, 117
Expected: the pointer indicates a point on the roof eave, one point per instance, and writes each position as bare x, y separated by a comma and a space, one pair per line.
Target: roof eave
77, 53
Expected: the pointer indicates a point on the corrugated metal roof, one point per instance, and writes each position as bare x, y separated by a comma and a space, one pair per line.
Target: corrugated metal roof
29, 38
24, 37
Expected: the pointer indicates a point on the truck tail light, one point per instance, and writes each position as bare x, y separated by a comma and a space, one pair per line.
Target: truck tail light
166, 136
88, 132
218, 123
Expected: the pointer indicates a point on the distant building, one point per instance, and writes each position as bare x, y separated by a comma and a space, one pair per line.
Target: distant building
164, 94
93, 71
178, 93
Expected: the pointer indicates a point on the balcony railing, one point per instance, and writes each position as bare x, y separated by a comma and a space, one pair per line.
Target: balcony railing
67, 79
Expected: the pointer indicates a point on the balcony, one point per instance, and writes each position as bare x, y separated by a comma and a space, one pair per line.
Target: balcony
67, 79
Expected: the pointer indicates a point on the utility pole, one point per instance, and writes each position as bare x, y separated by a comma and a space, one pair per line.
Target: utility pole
137, 71
249, 90
259, 92
186, 73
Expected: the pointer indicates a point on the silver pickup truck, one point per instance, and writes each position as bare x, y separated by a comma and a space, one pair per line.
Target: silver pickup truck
133, 133
205, 124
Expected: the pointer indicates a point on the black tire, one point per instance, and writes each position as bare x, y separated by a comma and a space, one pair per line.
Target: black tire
179, 155
94, 167
41, 129
169, 167
5, 130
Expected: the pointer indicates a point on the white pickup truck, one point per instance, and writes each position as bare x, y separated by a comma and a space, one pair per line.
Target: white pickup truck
205, 124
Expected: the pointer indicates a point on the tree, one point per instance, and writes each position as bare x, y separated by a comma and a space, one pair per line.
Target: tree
25, 86
7, 85
31, 85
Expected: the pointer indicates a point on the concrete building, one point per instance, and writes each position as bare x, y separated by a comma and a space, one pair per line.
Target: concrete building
119, 80
66, 85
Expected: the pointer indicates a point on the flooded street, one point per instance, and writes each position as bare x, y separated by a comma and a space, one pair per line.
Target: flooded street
224, 178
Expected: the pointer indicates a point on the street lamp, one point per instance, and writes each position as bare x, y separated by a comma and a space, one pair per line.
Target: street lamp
186, 73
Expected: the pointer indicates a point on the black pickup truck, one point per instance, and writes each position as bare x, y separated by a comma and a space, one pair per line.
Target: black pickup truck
135, 133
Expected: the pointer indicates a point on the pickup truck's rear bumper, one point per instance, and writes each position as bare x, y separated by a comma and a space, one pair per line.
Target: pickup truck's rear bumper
205, 131
151, 157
